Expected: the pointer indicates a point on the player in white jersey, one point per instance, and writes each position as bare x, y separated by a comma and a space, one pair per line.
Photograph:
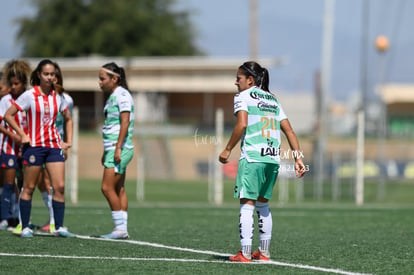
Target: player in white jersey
118, 147
260, 118
43, 145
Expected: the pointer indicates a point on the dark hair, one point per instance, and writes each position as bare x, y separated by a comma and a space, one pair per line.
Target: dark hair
34, 78
58, 87
120, 73
19, 69
259, 74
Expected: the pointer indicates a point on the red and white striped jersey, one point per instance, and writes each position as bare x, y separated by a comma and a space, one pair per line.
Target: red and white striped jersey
41, 116
8, 146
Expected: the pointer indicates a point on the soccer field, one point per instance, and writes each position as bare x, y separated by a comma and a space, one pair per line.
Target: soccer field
188, 237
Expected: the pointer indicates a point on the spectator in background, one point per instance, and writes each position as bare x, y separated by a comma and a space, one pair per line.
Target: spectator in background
118, 147
260, 118
43, 145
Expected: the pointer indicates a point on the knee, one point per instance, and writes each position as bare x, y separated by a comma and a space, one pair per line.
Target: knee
27, 192
105, 189
59, 189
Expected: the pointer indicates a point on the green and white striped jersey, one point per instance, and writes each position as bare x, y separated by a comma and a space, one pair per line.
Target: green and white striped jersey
261, 140
60, 121
119, 101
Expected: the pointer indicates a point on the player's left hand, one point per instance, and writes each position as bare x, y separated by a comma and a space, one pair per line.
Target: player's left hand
65, 145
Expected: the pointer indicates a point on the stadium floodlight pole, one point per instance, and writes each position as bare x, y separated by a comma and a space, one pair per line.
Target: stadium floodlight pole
382, 45
359, 183
327, 41
254, 29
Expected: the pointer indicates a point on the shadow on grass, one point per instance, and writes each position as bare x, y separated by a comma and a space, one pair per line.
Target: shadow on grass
221, 258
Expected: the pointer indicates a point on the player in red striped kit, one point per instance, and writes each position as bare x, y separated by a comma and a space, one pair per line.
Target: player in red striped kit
4, 90
42, 144
17, 74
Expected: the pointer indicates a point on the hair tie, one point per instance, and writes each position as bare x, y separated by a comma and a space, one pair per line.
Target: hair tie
110, 72
247, 69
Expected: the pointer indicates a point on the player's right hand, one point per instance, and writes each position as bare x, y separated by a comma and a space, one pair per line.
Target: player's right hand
224, 156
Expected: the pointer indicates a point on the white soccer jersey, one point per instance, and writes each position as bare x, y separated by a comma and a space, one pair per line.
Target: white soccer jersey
261, 140
119, 101
41, 116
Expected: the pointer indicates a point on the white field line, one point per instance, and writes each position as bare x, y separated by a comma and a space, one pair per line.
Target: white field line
208, 252
336, 271
205, 252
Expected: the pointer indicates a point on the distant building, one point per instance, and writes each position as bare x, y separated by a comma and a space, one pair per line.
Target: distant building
399, 102
165, 89
300, 110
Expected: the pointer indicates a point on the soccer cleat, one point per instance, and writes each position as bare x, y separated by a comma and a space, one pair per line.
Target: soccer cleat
116, 235
52, 228
63, 232
239, 257
17, 230
48, 228
10, 228
4, 224
45, 228
26, 233
257, 255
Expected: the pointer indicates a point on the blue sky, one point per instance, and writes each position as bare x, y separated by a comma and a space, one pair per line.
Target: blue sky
288, 29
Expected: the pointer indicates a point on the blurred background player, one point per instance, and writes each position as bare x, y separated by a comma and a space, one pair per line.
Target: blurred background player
4, 90
16, 74
43, 145
118, 147
260, 118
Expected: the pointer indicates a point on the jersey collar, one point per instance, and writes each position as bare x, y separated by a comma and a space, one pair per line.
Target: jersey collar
38, 93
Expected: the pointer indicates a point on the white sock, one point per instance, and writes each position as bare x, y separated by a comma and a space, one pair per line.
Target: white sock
246, 226
125, 219
47, 199
265, 223
50, 207
117, 217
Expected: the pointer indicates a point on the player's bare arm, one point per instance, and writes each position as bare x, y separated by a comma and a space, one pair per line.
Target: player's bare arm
287, 129
122, 134
67, 116
9, 118
236, 135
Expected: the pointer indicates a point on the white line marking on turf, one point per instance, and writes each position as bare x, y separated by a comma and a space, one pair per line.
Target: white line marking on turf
337, 271
208, 252
109, 258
